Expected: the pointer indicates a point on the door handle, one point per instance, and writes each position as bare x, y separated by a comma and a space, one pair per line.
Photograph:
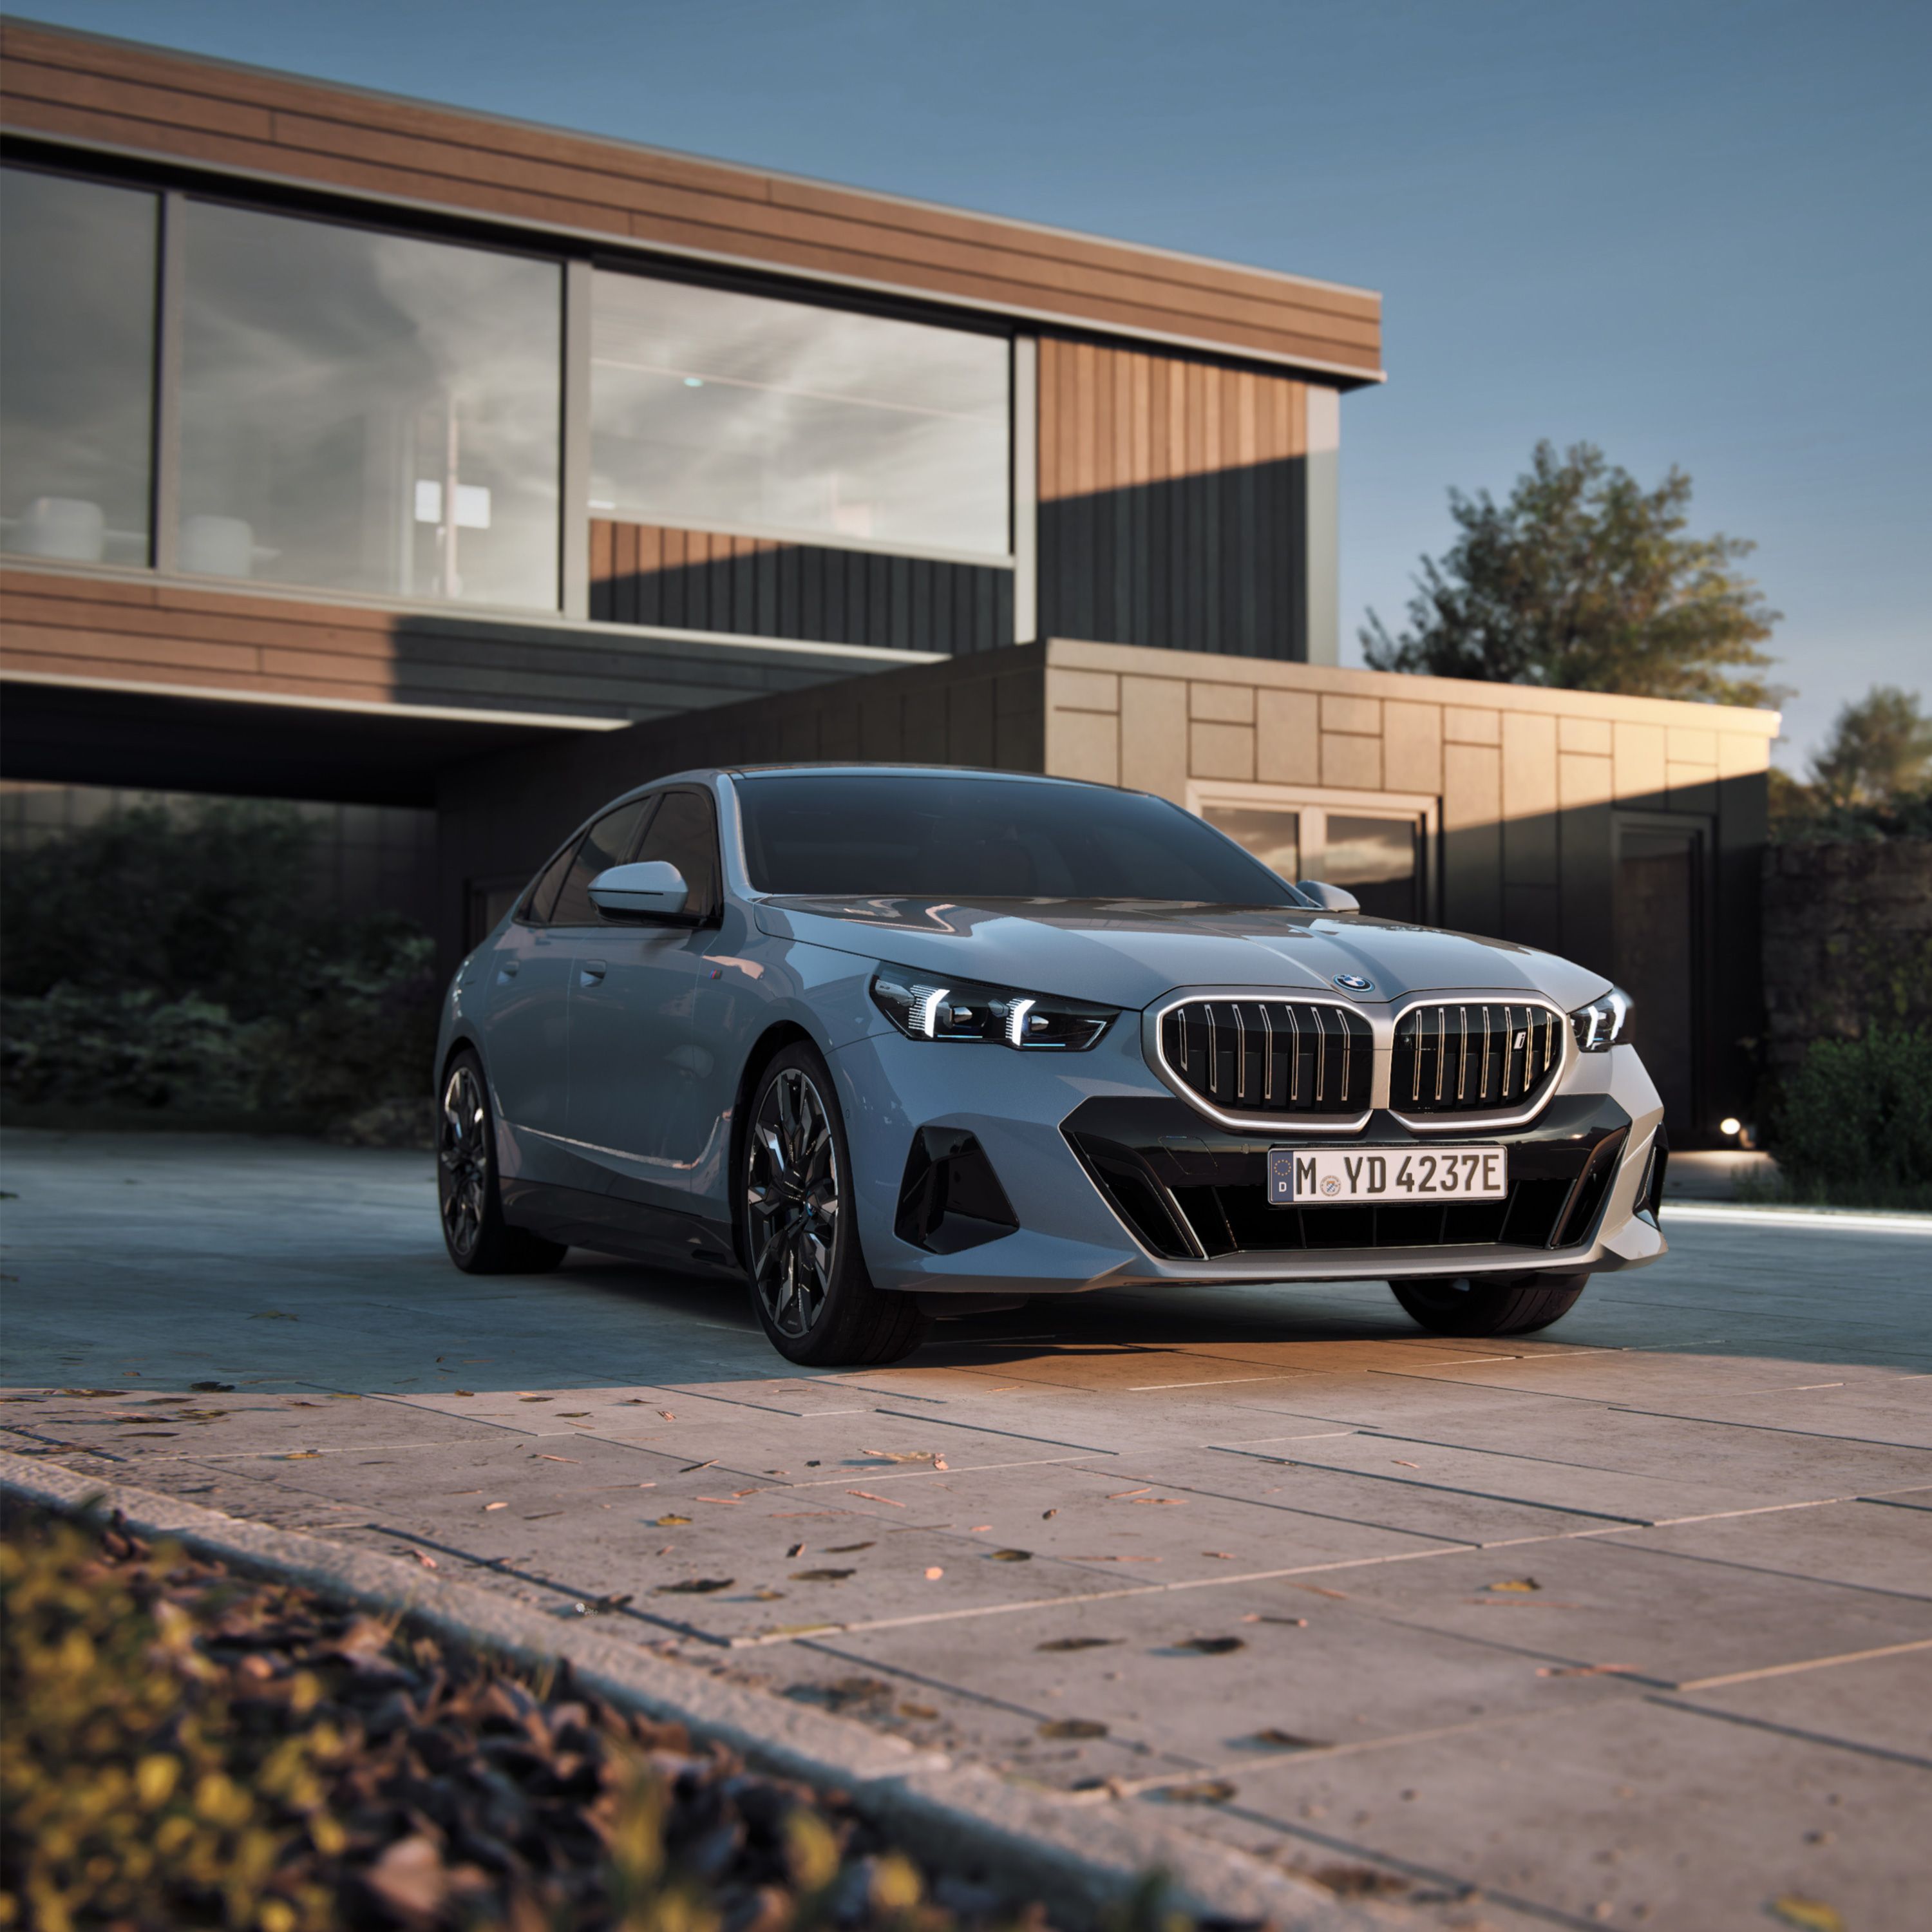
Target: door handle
590, 971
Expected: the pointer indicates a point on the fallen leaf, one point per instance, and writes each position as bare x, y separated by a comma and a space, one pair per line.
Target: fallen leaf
199, 1388
900, 1455
1812, 1915
1118, 1494
691, 1469
1072, 1727
933, 1573
1584, 1669
428, 1562
1515, 1583
1322, 1590
1047, 1515
544, 1456
847, 1549
571, 1414
1209, 1791
1157, 1502
767, 1596
730, 1502
1213, 1646
496, 1506
922, 1711
1279, 1740
940, 1462
463, 1391
870, 1498
1224, 1555
797, 1549
1079, 1643
302, 1455
615, 1601
1401, 1465
667, 1415
820, 1576
1113, 1559
536, 1398
980, 1529
1257, 1617
698, 1586
665, 1522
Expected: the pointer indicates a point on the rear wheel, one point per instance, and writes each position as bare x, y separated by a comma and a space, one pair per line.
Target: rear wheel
809, 1286
479, 1240
1490, 1304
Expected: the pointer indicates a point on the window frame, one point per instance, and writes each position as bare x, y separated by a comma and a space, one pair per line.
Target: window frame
1423, 809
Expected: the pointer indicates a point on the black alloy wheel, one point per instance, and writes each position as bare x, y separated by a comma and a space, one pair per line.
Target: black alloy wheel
479, 1240
1495, 1304
809, 1287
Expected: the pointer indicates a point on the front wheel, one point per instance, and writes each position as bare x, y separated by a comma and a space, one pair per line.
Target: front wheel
809, 1287
479, 1240
1490, 1304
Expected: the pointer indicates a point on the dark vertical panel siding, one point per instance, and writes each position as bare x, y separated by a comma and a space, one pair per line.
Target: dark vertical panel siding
1171, 500
700, 580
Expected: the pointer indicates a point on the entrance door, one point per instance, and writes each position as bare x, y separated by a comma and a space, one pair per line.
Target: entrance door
1659, 910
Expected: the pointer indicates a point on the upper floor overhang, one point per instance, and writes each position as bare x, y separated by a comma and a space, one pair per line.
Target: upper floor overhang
121, 99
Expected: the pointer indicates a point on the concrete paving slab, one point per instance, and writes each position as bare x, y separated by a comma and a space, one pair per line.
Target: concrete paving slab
1864, 1542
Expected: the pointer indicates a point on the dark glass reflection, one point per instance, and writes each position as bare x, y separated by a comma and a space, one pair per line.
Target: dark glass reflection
902, 834
76, 368
1376, 859
369, 413
1273, 837
716, 410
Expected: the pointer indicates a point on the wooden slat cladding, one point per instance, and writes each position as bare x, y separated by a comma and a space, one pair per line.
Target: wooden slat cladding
1170, 501
59, 85
109, 631
759, 587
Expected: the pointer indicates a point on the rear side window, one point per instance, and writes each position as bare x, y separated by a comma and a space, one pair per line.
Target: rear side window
608, 843
685, 832
543, 894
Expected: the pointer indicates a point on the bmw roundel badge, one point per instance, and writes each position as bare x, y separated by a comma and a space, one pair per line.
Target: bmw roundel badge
1353, 982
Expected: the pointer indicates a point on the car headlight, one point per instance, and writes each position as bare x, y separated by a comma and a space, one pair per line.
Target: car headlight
926, 1006
1604, 1023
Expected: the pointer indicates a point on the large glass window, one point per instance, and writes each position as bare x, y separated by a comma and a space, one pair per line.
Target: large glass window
77, 300
368, 412
718, 410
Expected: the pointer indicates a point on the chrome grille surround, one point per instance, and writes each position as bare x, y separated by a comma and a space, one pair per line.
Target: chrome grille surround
1271, 1059
1476, 1060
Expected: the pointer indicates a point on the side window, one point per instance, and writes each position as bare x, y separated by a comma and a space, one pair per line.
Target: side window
685, 833
542, 895
608, 843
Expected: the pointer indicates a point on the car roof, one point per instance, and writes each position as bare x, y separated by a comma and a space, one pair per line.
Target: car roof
856, 767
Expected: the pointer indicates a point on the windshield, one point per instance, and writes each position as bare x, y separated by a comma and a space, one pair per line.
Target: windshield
913, 834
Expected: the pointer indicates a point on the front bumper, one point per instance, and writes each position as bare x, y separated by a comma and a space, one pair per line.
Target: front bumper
1080, 1142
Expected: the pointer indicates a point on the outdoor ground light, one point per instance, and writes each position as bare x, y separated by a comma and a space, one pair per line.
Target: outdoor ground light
923, 1008
1604, 1023
1730, 1124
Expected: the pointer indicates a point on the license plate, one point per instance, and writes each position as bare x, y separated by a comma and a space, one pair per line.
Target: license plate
1329, 1178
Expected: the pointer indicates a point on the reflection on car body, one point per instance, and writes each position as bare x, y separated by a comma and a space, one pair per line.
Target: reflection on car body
893, 1041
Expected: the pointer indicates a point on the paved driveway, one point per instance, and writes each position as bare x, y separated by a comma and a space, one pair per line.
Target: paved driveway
1630, 1623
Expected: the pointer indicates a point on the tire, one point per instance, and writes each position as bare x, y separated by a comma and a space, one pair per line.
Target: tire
469, 1203
810, 1290
1490, 1304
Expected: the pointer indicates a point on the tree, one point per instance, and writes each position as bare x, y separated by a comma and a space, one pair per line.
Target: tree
1586, 580
1880, 750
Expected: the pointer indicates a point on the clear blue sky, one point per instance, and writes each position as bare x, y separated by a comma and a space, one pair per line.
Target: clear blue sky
1696, 233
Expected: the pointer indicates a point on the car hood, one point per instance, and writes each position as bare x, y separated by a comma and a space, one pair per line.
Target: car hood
1128, 953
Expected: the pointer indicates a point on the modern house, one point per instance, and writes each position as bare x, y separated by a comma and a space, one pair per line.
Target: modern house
366, 451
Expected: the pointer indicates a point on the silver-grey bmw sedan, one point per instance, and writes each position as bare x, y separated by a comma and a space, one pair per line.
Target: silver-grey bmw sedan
893, 1042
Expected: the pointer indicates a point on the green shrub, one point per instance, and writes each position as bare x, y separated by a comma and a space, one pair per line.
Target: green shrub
188, 965
1854, 1125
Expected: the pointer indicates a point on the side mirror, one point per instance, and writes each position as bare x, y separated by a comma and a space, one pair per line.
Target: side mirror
1329, 899
650, 888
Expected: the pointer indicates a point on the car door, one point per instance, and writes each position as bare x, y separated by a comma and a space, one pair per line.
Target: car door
638, 1068
525, 1010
